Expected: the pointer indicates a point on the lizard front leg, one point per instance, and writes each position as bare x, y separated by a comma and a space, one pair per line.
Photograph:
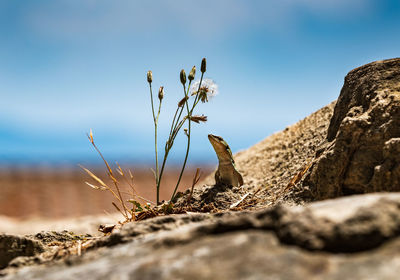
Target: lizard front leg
218, 180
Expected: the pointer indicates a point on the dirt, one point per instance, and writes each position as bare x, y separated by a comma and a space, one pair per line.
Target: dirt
268, 168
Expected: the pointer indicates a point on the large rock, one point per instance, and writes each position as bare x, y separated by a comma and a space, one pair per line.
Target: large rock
279, 243
362, 152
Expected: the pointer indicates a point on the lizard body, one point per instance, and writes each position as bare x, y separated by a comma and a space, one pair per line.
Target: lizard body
226, 173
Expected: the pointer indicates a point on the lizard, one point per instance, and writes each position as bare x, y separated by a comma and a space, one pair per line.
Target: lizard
226, 173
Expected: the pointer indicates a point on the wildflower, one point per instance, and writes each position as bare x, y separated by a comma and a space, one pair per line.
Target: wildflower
207, 90
161, 93
198, 119
183, 77
192, 73
149, 76
203, 65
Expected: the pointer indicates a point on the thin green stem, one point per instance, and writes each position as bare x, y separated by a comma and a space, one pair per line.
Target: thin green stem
168, 146
155, 140
184, 162
188, 136
161, 173
173, 121
177, 121
152, 103
155, 119
175, 127
197, 98
181, 123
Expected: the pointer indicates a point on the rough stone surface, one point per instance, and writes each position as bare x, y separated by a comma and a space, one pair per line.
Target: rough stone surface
349, 224
283, 242
363, 140
12, 246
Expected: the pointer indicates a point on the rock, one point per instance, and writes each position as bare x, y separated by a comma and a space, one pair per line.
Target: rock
363, 139
349, 224
12, 246
283, 242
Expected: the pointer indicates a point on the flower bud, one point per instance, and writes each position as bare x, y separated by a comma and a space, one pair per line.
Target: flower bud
203, 65
161, 93
183, 101
192, 73
183, 77
149, 76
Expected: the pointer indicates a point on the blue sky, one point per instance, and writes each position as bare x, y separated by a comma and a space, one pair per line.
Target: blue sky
71, 65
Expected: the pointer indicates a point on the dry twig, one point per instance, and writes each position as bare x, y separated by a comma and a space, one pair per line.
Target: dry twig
296, 179
196, 179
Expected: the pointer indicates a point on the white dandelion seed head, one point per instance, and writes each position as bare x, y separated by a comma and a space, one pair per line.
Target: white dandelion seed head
206, 83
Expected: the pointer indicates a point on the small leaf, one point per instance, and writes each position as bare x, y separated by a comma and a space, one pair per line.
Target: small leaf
136, 204
168, 208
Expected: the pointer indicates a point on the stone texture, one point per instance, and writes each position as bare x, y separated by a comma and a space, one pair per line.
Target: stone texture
283, 242
361, 154
347, 224
12, 246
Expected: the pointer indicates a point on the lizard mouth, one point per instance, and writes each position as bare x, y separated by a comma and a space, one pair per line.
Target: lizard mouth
218, 143
214, 137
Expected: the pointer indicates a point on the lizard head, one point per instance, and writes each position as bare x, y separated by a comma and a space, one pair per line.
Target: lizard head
221, 147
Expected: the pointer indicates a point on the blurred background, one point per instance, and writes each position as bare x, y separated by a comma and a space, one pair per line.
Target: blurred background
68, 66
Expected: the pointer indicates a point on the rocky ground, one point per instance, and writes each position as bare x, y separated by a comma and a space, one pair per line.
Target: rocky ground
303, 213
